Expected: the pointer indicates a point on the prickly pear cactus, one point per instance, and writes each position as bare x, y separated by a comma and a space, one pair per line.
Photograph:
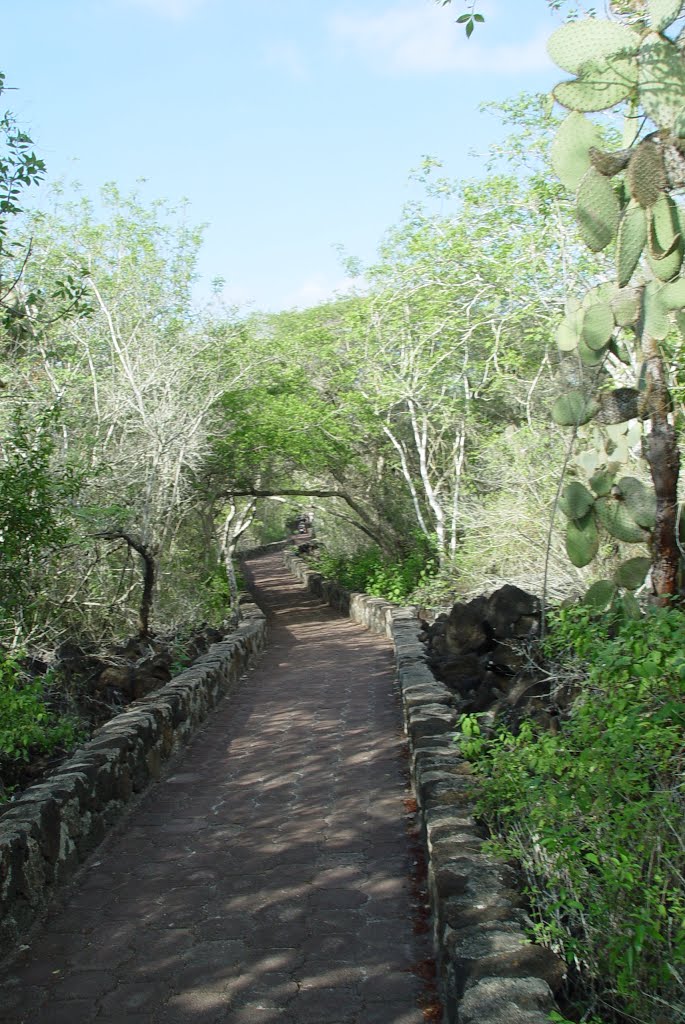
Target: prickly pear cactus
625, 202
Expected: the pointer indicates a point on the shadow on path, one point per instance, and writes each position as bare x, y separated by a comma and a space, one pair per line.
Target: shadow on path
268, 877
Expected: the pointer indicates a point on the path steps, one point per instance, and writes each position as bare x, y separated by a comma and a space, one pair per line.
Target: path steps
269, 876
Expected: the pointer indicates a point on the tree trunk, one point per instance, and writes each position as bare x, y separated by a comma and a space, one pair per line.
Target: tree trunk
233, 528
660, 449
661, 452
149, 575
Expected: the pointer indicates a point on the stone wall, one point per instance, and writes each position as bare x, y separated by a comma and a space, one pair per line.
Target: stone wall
372, 612
52, 828
489, 970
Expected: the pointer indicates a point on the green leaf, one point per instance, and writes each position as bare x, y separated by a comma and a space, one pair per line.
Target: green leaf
582, 540
570, 149
573, 409
597, 209
600, 595
603, 84
661, 80
591, 39
598, 326
576, 501
631, 574
632, 238
662, 12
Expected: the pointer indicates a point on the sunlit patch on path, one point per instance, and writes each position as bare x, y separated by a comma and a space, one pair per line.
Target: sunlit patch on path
269, 876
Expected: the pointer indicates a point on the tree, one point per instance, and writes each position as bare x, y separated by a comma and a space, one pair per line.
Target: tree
627, 196
138, 381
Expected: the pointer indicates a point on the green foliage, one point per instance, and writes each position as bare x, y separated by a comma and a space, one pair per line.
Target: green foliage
27, 725
370, 573
595, 813
19, 168
34, 498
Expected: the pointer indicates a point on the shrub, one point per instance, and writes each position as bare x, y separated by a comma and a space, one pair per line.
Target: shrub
27, 724
596, 813
369, 572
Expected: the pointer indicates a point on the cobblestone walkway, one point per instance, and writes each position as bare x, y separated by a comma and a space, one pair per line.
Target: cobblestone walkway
267, 877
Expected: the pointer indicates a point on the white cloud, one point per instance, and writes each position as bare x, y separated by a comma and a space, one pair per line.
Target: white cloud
176, 10
419, 40
286, 56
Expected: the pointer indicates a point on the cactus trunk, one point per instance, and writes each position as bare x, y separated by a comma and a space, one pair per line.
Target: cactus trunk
661, 452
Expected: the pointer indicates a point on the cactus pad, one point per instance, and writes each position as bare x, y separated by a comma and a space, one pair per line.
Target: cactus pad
570, 152
656, 311
573, 409
608, 163
603, 84
597, 209
593, 39
602, 482
664, 224
631, 574
672, 296
567, 334
639, 500
662, 12
646, 173
617, 521
591, 356
626, 306
576, 501
598, 326
661, 80
600, 595
667, 267
600, 293
582, 540
632, 238
618, 406
630, 607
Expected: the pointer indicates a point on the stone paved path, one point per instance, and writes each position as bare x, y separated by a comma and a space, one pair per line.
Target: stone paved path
268, 876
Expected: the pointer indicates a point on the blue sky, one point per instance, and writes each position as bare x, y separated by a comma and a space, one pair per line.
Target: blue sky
291, 127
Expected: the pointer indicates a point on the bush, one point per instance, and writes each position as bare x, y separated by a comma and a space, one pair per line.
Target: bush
596, 813
370, 573
27, 725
